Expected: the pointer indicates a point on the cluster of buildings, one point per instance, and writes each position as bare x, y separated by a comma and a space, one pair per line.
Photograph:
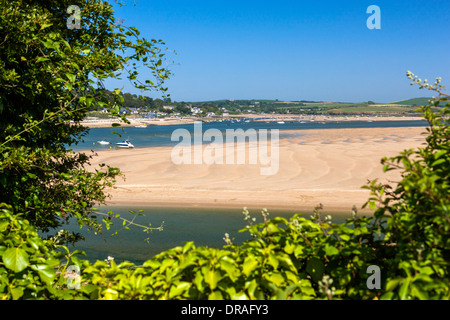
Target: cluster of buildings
141, 111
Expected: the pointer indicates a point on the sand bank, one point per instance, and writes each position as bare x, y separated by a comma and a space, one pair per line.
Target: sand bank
99, 123
326, 166
105, 123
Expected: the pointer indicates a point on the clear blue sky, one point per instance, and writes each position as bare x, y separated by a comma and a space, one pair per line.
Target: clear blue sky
296, 50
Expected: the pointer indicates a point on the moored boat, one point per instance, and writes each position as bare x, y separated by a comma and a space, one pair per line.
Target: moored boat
124, 144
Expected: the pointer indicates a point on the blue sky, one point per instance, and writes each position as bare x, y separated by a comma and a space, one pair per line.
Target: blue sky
296, 50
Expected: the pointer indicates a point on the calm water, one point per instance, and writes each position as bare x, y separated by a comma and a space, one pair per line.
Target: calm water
204, 226
160, 135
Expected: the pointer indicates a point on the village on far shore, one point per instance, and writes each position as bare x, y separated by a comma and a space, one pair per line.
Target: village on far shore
163, 112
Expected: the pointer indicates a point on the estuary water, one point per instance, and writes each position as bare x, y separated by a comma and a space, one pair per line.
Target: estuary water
203, 226
160, 135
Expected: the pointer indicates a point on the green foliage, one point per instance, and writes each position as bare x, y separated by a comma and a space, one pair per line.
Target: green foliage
30, 267
416, 210
50, 76
284, 260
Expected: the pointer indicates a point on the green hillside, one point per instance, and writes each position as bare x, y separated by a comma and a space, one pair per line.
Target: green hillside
415, 102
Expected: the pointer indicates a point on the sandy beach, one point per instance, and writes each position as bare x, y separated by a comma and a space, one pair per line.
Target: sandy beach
326, 166
102, 123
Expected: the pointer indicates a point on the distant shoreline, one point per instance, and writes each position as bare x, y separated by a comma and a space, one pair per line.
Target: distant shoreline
105, 123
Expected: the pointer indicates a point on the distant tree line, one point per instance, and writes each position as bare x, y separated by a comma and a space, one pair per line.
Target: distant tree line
233, 107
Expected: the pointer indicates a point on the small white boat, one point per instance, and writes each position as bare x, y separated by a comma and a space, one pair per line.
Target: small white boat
142, 125
281, 122
124, 144
103, 142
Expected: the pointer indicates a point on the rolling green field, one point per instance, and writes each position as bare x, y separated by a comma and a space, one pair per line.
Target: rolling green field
258, 106
408, 106
415, 102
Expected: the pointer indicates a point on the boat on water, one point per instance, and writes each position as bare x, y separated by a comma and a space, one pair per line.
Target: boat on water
281, 122
124, 144
142, 125
103, 142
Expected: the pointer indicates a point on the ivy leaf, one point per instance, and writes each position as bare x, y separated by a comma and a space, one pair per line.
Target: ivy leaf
15, 259
315, 268
216, 295
276, 278
250, 264
212, 277
179, 289
46, 272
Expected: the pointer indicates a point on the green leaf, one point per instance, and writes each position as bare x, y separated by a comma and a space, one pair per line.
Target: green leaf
273, 261
215, 295
392, 284
418, 292
286, 262
15, 259
330, 250
230, 269
71, 77
179, 289
315, 268
250, 264
110, 294
3, 225
437, 162
403, 292
211, 277
344, 237
289, 247
276, 278
440, 153
135, 30
17, 293
251, 287
46, 272
41, 59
